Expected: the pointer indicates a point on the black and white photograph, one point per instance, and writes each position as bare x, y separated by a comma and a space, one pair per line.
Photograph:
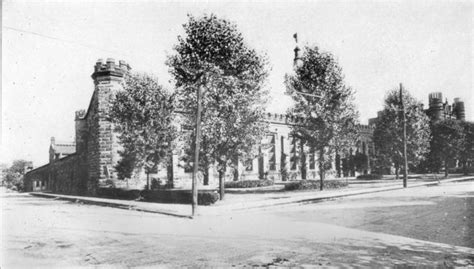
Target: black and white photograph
237, 134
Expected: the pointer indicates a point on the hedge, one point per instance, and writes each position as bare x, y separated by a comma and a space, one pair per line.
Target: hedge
205, 197
370, 176
248, 183
314, 185
117, 193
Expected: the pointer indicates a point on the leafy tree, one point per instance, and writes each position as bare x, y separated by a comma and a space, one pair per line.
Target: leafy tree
13, 176
213, 55
467, 152
448, 141
143, 113
329, 121
388, 133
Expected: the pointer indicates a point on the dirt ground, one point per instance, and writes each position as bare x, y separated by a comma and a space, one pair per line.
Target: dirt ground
442, 214
376, 230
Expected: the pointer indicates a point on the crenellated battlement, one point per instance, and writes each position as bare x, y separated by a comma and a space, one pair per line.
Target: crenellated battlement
435, 97
443, 110
80, 114
281, 118
110, 68
365, 128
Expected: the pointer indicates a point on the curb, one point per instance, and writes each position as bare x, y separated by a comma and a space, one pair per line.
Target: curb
87, 200
308, 200
256, 205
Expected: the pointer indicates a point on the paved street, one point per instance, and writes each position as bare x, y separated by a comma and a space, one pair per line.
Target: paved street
419, 226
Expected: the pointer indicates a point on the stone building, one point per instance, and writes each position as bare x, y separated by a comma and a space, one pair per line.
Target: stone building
89, 162
439, 111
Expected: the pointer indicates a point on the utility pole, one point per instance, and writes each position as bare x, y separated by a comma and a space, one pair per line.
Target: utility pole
197, 143
405, 161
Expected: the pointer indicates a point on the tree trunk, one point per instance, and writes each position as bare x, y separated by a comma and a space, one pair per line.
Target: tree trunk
446, 168
260, 164
236, 174
221, 183
236, 169
303, 161
206, 176
147, 180
170, 172
464, 168
397, 171
338, 165
321, 169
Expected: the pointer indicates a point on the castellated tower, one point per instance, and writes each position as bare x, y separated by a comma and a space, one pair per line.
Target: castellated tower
102, 144
458, 109
435, 110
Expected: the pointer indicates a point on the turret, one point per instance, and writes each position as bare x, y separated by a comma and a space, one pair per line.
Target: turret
109, 70
435, 110
81, 130
458, 109
297, 62
51, 149
101, 142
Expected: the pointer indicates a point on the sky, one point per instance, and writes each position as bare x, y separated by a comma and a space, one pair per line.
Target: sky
49, 50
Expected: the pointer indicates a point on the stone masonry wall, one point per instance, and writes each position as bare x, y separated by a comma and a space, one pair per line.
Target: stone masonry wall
92, 147
67, 176
40, 174
102, 141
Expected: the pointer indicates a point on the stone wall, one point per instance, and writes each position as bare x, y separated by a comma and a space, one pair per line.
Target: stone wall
92, 146
67, 176
103, 146
35, 179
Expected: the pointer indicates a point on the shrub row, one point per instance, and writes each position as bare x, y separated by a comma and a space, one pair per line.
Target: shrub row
205, 197
370, 176
314, 185
248, 183
117, 193
461, 170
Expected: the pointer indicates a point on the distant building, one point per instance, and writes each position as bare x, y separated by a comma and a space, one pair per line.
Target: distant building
58, 150
437, 110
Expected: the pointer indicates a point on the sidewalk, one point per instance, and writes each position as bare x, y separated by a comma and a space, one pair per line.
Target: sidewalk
237, 202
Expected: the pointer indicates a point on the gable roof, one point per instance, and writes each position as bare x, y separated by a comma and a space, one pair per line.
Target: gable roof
64, 148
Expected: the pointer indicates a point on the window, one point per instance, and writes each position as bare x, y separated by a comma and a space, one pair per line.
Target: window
189, 167
312, 163
185, 127
272, 154
293, 158
249, 165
